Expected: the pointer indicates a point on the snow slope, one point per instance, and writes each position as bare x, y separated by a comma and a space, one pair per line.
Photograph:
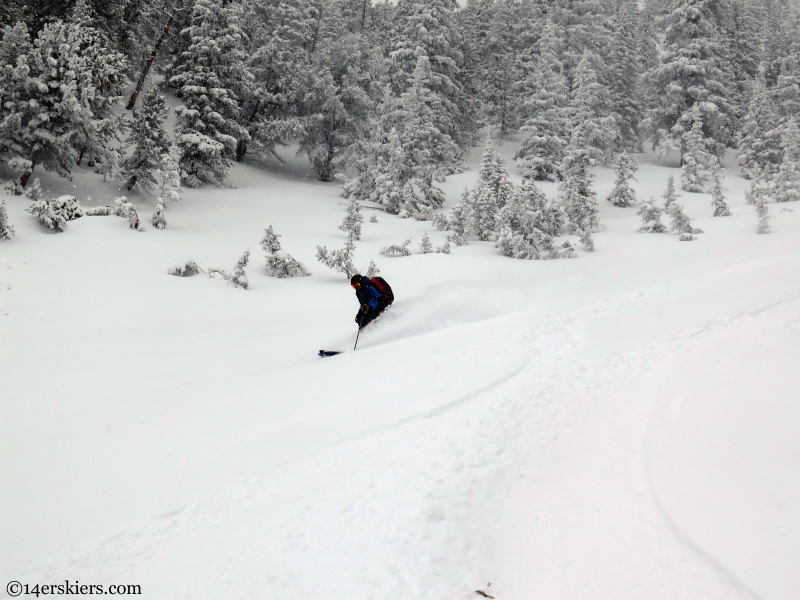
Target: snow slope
614, 426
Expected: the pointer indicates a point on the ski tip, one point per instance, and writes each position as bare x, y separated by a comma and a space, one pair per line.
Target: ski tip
324, 353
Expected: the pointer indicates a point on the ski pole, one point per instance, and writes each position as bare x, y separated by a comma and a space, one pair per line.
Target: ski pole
359, 332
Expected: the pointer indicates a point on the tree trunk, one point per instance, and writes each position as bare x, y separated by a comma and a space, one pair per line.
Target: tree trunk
23, 180
149, 63
363, 15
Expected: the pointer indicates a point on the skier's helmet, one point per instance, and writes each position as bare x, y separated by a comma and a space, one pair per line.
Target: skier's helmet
355, 280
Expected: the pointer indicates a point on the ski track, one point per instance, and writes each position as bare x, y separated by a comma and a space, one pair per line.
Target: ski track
308, 511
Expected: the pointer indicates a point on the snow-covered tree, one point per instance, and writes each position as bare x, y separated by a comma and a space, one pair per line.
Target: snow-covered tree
54, 214
624, 76
430, 29
339, 260
168, 180
718, 197
590, 121
353, 220
238, 278
425, 246
787, 180
124, 209
6, 230
397, 249
576, 195
760, 138
372, 270
670, 196
150, 141
545, 107
623, 194
461, 220
696, 173
207, 129
681, 222
279, 263
522, 227
34, 192
762, 210
691, 83
491, 193
651, 217
57, 100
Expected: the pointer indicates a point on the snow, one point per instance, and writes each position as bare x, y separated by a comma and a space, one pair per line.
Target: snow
619, 425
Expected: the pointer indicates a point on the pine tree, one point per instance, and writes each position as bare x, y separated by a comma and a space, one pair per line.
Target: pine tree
624, 76
681, 222
651, 217
670, 196
238, 278
168, 180
150, 142
718, 197
207, 129
6, 230
576, 195
762, 210
584, 27
353, 220
760, 140
339, 260
520, 230
546, 109
690, 80
622, 194
787, 180
397, 249
461, 220
425, 246
696, 172
590, 126
279, 263
430, 29
56, 102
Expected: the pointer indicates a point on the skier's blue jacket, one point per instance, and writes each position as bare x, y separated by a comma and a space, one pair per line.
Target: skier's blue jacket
368, 294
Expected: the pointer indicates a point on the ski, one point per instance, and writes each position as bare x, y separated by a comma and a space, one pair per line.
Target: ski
324, 353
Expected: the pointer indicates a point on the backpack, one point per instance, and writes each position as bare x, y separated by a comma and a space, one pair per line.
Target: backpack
383, 288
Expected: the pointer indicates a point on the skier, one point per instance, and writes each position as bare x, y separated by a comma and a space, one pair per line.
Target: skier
374, 295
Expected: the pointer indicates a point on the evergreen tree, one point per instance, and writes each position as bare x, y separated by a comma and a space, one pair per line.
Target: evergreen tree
522, 226
207, 129
696, 173
670, 196
339, 260
461, 220
545, 106
744, 32
681, 222
491, 193
430, 29
56, 102
353, 220
624, 76
584, 26
425, 246
718, 197
622, 194
279, 263
336, 105
762, 210
760, 141
787, 180
6, 230
150, 142
591, 127
690, 80
576, 195
651, 217
168, 180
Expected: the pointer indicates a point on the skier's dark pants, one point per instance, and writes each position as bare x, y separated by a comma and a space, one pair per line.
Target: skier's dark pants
364, 318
